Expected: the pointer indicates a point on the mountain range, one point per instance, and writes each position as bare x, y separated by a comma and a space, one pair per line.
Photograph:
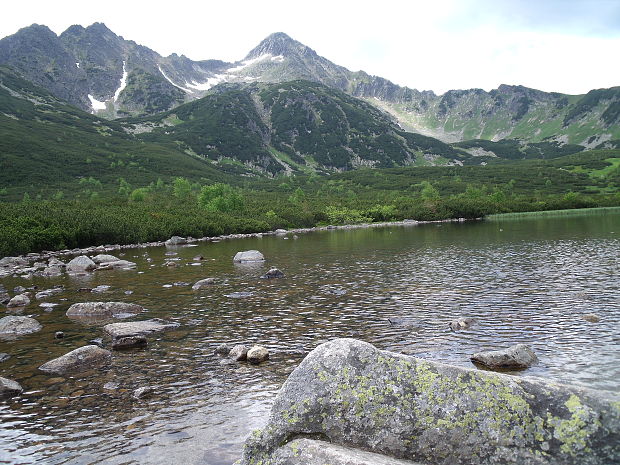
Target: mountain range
106, 106
101, 72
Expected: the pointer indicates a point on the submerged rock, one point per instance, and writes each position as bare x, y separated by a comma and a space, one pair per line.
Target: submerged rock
100, 289
404, 408
81, 359
239, 295
49, 293
248, 256
273, 273
81, 264
517, 356
13, 326
222, 349
257, 354
144, 392
103, 309
9, 388
461, 323
4, 356
592, 317
21, 300
118, 264
203, 283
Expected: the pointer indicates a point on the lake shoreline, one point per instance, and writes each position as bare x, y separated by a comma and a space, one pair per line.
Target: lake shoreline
47, 254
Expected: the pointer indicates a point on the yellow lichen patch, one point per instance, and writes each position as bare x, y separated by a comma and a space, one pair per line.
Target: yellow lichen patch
573, 433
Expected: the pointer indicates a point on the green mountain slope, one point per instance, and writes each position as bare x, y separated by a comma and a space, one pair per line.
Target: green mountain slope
294, 126
46, 145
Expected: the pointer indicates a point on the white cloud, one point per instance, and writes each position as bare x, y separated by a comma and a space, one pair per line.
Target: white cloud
425, 45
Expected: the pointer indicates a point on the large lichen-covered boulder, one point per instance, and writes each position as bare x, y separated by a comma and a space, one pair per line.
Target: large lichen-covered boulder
349, 393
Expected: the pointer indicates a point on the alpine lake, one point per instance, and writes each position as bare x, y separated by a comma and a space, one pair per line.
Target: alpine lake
523, 280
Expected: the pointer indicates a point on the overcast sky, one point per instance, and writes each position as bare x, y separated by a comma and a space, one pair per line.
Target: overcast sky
568, 46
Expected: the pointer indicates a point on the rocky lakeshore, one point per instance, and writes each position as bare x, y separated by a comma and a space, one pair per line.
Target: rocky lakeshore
33, 264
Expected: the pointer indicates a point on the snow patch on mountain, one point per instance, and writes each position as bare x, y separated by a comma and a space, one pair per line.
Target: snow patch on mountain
123, 83
185, 89
210, 82
244, 64
96, 104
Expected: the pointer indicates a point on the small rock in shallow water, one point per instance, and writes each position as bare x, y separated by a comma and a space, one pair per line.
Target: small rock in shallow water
198, 258
102, 309
13, 326
100, 289
59, 335
81, 359
239, 295
4, 356
461, 323
248, 256
207, 282
20, 300
111, 386
144, 392
222, 349
592, 317
128, 292
176, 240
257, 354
517, 356
273, 273
238, 353
104, 258
19, 289
81, 264
129, 342
9, 388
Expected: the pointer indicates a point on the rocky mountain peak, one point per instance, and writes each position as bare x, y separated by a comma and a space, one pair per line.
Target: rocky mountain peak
277, 44
34, 32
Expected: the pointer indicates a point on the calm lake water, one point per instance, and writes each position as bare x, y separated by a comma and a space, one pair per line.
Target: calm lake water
526, 280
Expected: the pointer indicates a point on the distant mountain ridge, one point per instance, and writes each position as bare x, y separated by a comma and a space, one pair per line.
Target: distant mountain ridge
101, 72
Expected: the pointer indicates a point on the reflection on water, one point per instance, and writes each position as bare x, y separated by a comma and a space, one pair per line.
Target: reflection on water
524, 281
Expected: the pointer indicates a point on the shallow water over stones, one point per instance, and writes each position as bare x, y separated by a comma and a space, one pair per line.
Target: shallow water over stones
523, 281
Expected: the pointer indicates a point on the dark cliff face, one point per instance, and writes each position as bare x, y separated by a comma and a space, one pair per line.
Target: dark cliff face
41, 57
